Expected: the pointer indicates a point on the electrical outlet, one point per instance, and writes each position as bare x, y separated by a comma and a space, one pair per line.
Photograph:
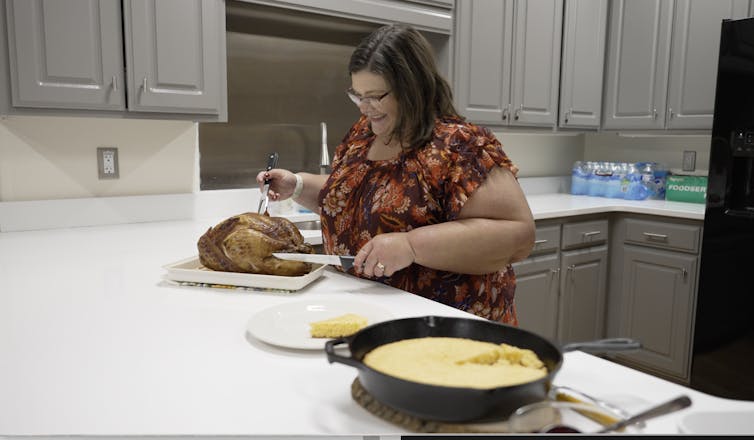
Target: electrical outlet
689, 161
107, 162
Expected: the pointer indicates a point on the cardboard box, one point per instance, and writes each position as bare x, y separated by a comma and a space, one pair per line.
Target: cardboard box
691, 189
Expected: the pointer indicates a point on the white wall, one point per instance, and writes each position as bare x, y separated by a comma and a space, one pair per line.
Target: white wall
44, 157
542, 154
665, 149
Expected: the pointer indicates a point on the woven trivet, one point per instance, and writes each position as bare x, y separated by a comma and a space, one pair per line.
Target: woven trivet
415, 424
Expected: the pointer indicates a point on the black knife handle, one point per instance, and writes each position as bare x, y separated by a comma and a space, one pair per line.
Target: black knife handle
272, 162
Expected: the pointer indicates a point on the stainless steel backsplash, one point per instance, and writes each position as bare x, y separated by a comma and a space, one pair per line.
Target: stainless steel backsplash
287, 73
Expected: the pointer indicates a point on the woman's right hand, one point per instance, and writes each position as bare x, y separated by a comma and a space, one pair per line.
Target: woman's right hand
282, 183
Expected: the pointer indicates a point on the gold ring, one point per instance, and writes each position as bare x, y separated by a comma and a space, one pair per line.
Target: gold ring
381, 266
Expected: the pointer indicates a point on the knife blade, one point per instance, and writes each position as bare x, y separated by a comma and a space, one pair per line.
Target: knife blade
346, 261
264, 199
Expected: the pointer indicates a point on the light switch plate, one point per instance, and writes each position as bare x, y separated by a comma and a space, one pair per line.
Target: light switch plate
689, 161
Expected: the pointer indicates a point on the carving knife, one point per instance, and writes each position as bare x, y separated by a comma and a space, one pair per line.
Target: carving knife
264, 198
346, 261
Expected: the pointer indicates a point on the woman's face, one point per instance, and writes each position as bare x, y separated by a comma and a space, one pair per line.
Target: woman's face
377, 102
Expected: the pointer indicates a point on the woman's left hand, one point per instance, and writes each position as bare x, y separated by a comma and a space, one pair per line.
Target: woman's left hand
384, 255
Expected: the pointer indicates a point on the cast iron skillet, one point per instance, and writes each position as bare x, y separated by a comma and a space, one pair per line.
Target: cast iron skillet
456, 404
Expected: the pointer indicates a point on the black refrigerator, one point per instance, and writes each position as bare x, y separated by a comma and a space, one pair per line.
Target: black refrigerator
723, 350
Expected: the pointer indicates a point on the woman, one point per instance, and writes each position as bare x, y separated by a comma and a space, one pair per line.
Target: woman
425, 201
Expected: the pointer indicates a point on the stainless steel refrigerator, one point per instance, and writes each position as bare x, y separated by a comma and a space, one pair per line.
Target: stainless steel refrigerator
723, 352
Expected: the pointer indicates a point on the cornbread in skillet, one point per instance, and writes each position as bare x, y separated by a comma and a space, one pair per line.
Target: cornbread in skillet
456, 362
344, 325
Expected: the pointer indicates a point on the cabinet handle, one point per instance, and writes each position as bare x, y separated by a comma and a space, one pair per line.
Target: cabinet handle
537, 242
568, 115
144, 84
518, 112
505, 114
685, 273
653, 236
115, 83
654, 113
554, 272
670, 113
591, 233
571, 270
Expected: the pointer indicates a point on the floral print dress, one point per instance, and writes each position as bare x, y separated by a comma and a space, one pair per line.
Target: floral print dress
429, 185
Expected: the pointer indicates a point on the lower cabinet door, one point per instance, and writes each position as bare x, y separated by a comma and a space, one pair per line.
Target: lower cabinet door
537, 294
583, 286
657, 301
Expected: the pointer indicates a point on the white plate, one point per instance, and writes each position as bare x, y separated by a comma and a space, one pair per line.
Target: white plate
287, 325
191, 270
718, 423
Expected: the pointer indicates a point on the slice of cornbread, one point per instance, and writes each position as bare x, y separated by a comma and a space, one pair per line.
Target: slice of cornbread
343, 325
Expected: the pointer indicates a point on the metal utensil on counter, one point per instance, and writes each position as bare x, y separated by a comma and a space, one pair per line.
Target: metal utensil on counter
558, 416
612, 413
264, 198
345, 261
668, 407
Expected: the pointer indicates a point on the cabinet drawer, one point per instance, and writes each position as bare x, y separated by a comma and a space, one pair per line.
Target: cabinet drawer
584, 233
663, 235
546, 239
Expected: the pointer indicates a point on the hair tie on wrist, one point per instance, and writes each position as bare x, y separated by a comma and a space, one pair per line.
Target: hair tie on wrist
299, 186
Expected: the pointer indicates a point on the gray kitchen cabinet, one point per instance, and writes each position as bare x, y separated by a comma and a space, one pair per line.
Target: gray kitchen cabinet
693, 60
561, 287
538, 284
508, 61
582, 66
582, 297
70, 56
653, 278
662, 62
583, 282
637, 64
66, 54
174, 50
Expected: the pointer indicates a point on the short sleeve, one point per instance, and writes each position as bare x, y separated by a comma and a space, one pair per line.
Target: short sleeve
471, 153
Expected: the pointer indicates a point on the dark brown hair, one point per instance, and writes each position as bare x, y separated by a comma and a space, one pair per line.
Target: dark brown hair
404, 58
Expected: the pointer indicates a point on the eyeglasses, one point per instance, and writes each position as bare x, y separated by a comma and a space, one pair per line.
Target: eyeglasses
373, 101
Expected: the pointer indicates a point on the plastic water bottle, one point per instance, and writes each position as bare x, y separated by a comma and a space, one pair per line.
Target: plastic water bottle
613, 189
660, 176
647, 171
598, 184
635, 189
579, 178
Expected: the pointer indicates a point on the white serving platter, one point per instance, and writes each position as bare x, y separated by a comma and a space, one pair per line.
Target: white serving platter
190, 270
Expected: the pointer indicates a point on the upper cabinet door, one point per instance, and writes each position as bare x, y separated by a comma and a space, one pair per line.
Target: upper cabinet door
175, 51
584, 35
483, 55
66, 54
508, 61
536, 62
637, 65
693, 60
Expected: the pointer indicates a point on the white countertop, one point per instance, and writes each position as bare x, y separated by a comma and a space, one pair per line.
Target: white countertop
212, 206
94, 342
544, 206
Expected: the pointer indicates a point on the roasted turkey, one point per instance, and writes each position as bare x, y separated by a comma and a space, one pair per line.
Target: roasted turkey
245, 243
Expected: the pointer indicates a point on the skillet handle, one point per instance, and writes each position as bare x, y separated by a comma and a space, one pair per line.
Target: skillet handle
604, 345
332, 357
